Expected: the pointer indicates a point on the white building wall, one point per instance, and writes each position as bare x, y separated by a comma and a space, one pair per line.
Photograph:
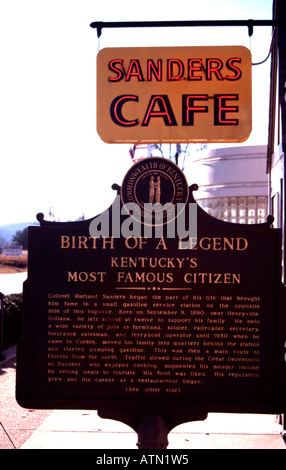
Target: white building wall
233, 184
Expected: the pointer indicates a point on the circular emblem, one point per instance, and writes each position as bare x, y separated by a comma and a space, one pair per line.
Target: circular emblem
154, 191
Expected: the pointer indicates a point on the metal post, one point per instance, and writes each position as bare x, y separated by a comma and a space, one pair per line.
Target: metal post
1, 325
152, 433
284, 427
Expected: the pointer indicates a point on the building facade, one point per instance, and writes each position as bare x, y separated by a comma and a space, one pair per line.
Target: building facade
277, 124
233, 184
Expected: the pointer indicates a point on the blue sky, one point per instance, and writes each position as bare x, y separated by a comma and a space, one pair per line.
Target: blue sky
51, 155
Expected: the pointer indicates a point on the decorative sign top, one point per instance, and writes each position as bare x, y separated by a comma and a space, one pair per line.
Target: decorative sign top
179, 94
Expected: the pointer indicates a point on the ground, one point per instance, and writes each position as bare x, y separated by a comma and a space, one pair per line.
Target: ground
6, 269
13, 264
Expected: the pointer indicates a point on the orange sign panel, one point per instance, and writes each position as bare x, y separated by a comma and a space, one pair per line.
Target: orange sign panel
177, 94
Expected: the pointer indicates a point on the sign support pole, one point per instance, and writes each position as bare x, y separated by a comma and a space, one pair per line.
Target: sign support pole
152, 433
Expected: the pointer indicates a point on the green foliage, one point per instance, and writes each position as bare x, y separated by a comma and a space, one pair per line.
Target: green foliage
12, 324
21, 238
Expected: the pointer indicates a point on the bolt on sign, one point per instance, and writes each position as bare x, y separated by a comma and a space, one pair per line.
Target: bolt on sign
179, 94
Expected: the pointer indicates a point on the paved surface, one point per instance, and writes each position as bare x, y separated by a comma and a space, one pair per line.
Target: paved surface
16, 424
80, 429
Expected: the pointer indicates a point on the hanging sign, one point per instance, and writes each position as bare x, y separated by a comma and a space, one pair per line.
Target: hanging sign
179, 94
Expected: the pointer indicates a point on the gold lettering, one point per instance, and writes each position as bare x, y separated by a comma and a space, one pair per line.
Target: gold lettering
108, 242
82, 242
65, 243
161, 243
83, 276
214, 244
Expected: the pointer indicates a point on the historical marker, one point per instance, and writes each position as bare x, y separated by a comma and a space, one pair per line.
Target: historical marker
132, 325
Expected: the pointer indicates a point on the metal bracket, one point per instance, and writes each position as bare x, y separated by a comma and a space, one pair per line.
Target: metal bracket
99, 25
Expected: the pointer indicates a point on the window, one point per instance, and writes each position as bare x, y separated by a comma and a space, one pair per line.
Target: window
240, 210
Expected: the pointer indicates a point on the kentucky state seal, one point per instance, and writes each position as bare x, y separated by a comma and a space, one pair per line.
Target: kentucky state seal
153, 190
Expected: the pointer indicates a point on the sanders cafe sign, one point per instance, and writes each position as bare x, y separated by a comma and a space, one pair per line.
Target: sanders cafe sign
179, 94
